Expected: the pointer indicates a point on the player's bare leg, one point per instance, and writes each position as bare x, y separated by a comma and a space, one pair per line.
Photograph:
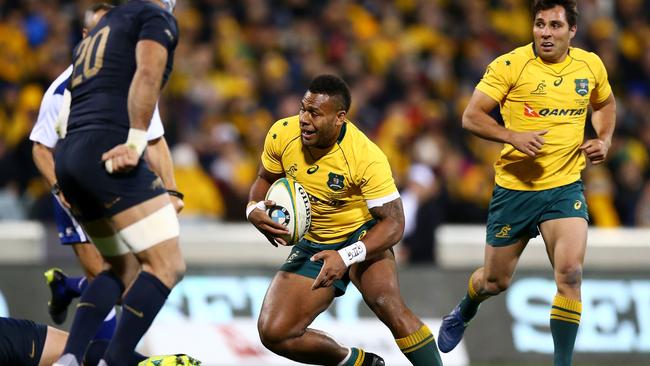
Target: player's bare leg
151, 231
140, 226
54, 343
566, 242
377, 281
90, 259
289, 307
493, 278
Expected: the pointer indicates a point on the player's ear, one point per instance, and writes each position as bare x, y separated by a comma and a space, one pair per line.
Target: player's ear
340, 117
572, 31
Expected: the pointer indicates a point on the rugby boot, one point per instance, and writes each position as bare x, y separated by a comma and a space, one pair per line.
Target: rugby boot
170, 360
372, 359
61, 298
451, 330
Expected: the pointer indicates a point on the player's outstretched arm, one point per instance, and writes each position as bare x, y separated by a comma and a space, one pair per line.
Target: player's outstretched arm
477, 120
256, 208
603, 118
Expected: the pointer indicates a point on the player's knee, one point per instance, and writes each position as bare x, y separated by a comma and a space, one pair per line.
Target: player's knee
569, 275
178, 269
495, 286
385, 305
170, 271
273, 336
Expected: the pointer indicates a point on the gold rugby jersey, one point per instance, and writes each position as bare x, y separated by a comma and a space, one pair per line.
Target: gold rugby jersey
535, 96
342, 181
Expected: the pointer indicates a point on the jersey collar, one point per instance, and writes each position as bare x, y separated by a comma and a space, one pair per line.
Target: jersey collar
342, 133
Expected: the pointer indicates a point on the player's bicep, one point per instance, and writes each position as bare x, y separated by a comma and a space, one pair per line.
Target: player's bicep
609, 102
150, 57
271, 156
391, 210
267, 175
481, 102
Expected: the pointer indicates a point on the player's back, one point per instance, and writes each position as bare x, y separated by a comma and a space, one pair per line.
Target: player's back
104, 64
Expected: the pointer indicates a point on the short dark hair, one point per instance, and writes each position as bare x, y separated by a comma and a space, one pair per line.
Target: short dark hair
333, 86
100, 6
570, 8
92, 10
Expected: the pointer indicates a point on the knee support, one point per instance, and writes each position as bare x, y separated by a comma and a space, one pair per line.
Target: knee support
159, 226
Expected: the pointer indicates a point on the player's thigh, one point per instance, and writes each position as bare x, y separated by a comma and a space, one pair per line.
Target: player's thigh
377, 277
54, 345
290, 305
89, 258
500, 262
566, 241
564, 225
114, 251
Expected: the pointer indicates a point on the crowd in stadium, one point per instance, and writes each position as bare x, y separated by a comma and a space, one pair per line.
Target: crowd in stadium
411, 65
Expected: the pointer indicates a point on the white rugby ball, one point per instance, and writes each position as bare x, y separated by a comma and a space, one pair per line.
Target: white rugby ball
292, 208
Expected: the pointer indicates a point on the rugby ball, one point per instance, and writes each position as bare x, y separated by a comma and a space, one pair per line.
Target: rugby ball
292, 208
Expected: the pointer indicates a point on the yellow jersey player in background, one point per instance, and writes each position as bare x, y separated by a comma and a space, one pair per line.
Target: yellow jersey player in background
357, 217
543, 90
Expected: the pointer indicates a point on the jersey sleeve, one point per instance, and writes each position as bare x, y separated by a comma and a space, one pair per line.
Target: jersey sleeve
44, 131
498, 79
156, 129
603, 89
377, 184
159, 26
272, 154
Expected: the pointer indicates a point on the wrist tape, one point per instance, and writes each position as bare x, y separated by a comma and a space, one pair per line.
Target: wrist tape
354, 253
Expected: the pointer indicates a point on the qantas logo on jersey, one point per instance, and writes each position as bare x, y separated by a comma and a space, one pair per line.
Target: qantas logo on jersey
529, 111
544, 112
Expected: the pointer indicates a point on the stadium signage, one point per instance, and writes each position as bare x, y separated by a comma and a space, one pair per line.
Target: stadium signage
4, 309
220, 299
615, 315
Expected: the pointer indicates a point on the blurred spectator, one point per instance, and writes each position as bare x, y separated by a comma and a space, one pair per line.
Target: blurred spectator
202, 198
